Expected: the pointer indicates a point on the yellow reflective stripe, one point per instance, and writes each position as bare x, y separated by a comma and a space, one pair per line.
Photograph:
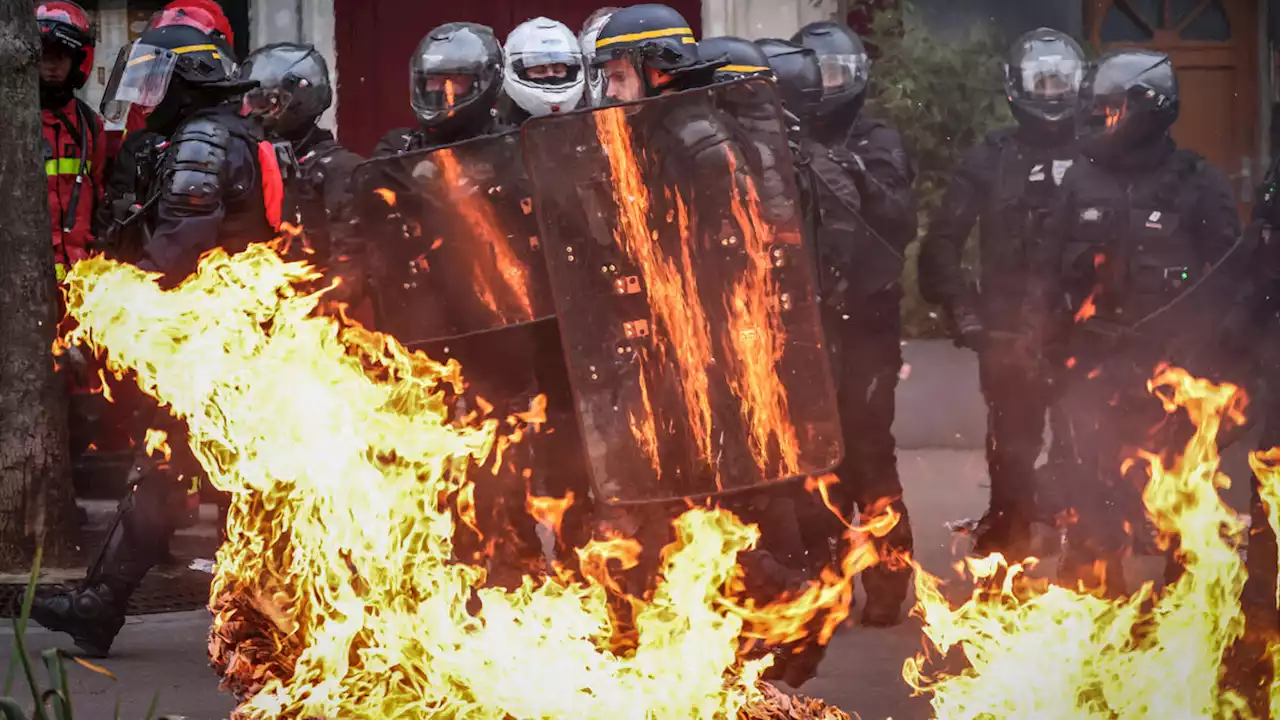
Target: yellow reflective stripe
743, 68
193, 48
648, 35
64, 166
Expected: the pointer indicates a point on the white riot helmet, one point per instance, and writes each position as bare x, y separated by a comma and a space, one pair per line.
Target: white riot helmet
544, 72
590, 31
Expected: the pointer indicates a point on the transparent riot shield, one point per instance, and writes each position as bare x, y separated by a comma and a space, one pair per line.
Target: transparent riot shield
685, 294
453, 239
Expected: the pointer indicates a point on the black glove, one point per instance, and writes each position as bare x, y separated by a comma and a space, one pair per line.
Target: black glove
966, 327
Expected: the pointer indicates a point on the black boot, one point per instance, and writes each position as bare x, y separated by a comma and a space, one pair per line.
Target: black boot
1007, 533
92, 615
888, 583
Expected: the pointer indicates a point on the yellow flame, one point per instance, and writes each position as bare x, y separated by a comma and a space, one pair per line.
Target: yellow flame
1051, 652
158, 441
341, 458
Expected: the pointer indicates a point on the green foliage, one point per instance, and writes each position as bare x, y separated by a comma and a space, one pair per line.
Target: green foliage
53, 703
944, 94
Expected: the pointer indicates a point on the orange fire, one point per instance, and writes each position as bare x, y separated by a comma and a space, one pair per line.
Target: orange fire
1089, 308
346, 468
388, 196
755, 333
672, 284
507, 275
1053, 652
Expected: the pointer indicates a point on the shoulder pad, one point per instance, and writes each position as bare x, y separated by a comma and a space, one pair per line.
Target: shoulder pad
196, 159
696, 132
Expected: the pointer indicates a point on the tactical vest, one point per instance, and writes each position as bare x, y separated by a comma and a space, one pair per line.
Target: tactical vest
1022, 196
854, 261
1131, 245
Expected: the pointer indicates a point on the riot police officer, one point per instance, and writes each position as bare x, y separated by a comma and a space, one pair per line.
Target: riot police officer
868, 219
455, 78
207, 192
293, 91
1007, 184
1138, 222
544, 71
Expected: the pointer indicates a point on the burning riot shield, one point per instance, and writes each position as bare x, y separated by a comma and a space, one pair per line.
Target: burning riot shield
454, 240
685, 294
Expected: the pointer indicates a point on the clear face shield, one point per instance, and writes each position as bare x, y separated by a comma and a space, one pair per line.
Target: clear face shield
1049, 85
140, 78
844, 75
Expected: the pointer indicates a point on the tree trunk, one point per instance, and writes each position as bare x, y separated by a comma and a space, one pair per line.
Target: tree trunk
37, 504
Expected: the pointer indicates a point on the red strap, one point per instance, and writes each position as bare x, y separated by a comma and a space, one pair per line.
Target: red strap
272, 184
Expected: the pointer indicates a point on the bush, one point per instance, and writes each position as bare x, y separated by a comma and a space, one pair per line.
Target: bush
943, 94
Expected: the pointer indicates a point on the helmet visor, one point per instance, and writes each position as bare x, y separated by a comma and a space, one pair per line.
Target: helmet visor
548, 68
844, 74
441, 93
267, 103
141, 77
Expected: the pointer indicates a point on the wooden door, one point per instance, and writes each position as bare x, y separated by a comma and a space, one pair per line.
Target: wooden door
1214, 46
376, 37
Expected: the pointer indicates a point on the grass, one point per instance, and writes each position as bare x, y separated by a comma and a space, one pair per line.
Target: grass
54, 702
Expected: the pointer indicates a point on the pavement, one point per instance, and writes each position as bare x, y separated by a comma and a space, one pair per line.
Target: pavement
940, 426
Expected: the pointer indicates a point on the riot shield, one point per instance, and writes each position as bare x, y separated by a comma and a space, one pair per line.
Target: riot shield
454, 240
687, 301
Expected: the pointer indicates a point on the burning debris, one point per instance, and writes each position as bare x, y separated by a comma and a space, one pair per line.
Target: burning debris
338, 594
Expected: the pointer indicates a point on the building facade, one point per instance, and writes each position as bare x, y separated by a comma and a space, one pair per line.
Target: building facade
1223, 49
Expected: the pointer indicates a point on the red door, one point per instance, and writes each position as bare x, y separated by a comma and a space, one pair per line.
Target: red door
375, 39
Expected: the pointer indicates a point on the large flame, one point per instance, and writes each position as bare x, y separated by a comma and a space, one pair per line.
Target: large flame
1052, 652
344, 465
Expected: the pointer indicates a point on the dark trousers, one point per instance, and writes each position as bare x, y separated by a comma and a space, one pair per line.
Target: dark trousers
1016, 405
866, 362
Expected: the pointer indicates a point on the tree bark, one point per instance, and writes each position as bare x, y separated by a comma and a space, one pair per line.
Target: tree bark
37, 503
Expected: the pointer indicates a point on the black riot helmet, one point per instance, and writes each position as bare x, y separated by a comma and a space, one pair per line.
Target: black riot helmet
293, 87
167, 73
741, 57
845, 66
649, 38
455, 76
799, 76
1042, 77
1128, 99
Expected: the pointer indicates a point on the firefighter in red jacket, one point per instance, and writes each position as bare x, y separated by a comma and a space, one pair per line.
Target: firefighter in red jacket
74, 144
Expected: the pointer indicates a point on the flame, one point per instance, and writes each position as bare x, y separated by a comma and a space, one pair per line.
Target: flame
1266, 466
550, 511
755, 333
670, 283
343, 462
388, 196
158, 441
508, 272
1114, 116
1051, 652
1089, 308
